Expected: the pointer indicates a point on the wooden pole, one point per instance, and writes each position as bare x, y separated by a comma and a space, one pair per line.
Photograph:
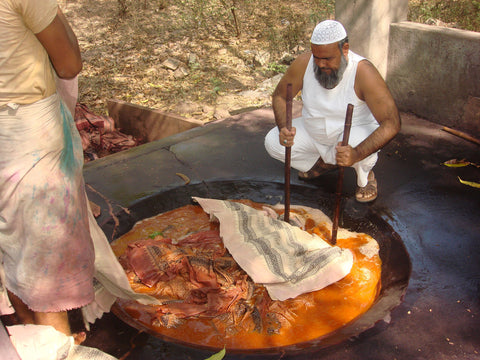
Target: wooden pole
461, 134
346, 135
288, 154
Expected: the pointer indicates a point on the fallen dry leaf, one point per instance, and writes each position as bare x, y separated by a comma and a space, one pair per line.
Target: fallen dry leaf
184, 177
456, 163
469, 183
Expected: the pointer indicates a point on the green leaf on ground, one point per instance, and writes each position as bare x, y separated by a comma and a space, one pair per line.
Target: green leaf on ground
217, 356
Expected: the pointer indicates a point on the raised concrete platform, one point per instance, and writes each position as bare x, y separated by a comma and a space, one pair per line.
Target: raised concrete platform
437, 217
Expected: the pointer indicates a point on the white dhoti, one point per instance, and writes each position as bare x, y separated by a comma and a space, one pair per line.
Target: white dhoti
53, 254
48, 255
313, 142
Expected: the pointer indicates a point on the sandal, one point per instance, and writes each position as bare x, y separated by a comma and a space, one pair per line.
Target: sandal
367, 193
316, 171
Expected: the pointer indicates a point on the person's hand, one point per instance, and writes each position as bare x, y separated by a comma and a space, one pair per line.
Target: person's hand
286, 136
346, 155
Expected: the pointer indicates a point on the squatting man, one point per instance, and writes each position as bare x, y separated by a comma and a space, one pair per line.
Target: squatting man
331, 76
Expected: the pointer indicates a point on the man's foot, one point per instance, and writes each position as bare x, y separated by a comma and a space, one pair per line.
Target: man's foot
369, 192
317, 170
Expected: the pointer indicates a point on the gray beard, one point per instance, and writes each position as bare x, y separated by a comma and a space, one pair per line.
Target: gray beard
329, 81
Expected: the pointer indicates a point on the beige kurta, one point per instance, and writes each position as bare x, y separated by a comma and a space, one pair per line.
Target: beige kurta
26, 75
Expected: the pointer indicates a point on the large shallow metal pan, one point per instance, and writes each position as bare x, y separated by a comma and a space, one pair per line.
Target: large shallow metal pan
396, 264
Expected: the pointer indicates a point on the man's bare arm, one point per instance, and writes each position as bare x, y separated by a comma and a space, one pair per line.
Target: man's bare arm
294, 76
62, 47
370, 87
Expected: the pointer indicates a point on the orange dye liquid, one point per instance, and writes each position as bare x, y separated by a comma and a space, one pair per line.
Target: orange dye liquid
311, 315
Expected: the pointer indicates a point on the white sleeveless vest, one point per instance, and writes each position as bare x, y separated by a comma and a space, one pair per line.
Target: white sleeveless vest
323, 108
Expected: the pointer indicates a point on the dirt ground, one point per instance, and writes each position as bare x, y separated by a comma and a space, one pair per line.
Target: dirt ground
202, 59
195, 62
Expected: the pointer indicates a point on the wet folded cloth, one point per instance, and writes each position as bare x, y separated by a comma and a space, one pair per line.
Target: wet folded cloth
285, 259
99, 135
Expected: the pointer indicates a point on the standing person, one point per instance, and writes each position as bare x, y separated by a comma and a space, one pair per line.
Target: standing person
45, 244
330, 77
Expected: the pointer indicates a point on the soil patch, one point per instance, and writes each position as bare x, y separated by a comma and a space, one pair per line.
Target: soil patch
183, 58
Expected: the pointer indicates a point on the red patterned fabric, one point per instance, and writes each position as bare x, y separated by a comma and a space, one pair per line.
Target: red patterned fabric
99, 136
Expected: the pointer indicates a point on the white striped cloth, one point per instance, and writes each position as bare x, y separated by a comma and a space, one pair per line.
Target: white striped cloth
285, 259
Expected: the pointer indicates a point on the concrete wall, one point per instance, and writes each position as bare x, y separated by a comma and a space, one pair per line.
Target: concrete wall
147, 124
434, 72
368, 23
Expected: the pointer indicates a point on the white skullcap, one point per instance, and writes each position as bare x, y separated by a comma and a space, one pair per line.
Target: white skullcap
328, 32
